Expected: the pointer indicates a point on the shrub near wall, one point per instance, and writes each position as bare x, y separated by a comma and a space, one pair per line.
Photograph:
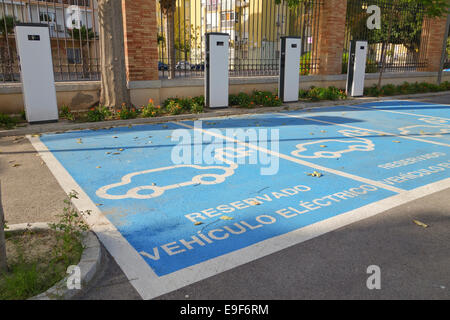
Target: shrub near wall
406, 88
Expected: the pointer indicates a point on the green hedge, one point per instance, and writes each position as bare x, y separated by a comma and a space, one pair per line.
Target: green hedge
405, 88
174, 106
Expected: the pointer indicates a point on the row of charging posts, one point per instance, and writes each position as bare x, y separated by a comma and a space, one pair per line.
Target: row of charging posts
38, 83
216, 78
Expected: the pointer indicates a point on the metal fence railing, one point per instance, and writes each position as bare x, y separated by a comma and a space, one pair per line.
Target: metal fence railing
73, 27
255, 28
406, 47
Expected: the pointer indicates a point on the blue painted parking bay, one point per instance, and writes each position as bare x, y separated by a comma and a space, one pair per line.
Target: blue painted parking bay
178, 215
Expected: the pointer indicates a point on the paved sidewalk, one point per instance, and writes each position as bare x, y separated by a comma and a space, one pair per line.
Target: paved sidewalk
30, 193
65, 125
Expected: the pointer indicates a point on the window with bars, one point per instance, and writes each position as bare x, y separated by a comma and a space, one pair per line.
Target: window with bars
73, 31
255, 28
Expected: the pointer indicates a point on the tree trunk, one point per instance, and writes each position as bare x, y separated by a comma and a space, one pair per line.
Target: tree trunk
385, 46
85, 65
3, 264
114, 89
170, 41
5, 56
383, 62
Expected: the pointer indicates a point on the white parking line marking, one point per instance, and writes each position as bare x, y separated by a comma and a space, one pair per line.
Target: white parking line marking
296, 160
399, 112
371, 130
139, 273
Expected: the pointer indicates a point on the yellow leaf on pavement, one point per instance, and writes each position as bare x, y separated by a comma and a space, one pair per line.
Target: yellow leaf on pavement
315, 174
419, 223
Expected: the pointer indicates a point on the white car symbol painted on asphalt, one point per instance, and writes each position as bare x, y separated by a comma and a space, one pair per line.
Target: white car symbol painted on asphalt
354, 144
223, 154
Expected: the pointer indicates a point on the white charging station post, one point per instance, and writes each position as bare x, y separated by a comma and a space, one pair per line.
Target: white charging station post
216, 70
288, 83
36, 72
356, 68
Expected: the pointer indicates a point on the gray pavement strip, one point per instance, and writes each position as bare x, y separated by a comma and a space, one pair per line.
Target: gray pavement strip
69, 126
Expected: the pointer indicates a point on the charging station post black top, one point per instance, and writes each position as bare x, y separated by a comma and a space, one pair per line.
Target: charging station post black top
288, 84
356, 68
216, 69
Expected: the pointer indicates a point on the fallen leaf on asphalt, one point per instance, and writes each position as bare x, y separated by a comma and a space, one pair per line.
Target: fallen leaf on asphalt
419, 223
226, 218
315, 174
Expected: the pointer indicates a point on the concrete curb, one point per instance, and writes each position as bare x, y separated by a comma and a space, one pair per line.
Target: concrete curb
89, 264
69, 126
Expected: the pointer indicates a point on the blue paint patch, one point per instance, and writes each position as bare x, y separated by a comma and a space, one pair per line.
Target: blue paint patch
155, 204
159, 225
430, 123
437, 112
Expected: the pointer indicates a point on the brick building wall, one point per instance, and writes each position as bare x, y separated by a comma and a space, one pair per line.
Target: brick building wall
331, 36
140, 35
433, 32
